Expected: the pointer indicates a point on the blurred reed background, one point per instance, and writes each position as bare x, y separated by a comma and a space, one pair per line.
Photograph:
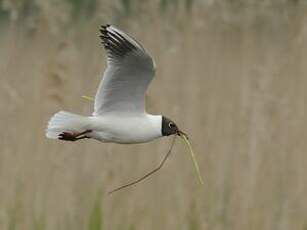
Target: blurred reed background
232, 74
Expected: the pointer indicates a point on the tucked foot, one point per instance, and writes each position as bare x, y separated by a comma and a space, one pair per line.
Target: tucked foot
67, 136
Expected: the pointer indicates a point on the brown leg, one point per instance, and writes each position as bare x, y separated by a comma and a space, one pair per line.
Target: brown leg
67, 136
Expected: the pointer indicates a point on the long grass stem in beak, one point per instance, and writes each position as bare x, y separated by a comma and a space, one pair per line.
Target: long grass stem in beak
186, 140
181, 133
149, 173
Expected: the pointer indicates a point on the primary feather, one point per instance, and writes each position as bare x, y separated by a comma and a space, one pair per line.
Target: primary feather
129, 72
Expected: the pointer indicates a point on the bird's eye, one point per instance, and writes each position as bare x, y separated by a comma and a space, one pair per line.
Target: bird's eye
171, 125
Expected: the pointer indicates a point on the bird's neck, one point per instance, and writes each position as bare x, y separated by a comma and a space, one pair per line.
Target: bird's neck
156, 122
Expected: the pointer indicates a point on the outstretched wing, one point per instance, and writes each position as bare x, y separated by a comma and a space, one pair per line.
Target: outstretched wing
129, 72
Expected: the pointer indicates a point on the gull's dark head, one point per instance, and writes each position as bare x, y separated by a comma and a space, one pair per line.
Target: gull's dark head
169, 127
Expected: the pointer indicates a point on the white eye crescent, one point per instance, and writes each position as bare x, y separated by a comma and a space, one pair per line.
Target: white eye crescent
171, 125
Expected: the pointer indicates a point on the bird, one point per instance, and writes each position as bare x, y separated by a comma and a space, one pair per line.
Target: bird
119, 114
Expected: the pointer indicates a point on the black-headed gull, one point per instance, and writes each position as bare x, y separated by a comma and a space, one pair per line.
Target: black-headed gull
119, 113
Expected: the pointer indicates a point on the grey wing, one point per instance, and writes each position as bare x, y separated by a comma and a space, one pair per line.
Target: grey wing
129, 72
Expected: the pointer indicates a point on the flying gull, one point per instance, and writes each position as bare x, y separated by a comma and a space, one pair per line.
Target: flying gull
119, 111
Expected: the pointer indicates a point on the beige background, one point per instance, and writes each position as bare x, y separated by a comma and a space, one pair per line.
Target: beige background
231, 76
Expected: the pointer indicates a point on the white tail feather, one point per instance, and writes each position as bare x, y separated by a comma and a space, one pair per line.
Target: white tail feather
66, 122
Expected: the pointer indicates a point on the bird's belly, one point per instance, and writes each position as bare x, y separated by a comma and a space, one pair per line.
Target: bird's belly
127, 130
122, 138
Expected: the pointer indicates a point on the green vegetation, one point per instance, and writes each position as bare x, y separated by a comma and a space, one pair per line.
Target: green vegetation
95, 219
39, 224
86, 9
82, 8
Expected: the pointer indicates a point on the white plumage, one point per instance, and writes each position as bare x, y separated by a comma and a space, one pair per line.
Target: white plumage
66, 122
119, 111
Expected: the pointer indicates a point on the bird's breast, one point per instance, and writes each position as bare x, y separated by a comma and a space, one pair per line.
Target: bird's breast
127, 129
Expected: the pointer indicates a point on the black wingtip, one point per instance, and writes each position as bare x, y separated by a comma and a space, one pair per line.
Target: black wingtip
105, 26
114, 42
103, 29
